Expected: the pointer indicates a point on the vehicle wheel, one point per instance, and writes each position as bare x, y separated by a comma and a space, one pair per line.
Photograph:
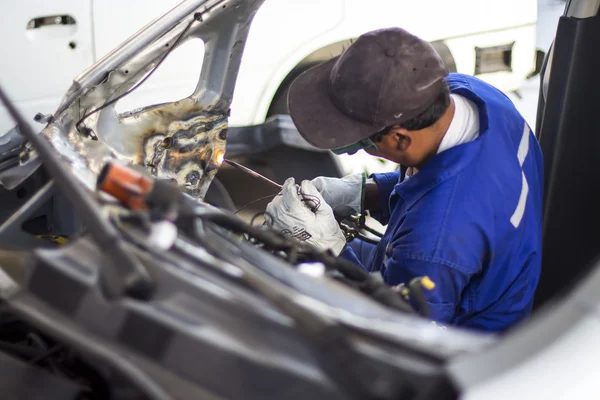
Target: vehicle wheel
279, 105
218, 196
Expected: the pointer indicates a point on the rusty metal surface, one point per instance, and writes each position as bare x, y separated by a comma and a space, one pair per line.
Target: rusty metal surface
187, 149
182, 140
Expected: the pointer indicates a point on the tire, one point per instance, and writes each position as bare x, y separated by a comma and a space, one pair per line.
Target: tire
279, 104
218, 196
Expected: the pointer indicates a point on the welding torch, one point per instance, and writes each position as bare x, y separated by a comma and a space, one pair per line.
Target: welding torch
350, 232
253, 173
310, 203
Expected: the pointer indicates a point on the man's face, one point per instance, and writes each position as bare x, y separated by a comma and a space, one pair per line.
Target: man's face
408, 148
413, 148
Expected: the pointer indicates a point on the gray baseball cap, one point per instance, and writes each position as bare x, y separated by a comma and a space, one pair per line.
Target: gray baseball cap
385, 77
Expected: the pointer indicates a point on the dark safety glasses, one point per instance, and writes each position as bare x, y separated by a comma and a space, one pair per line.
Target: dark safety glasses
365, 144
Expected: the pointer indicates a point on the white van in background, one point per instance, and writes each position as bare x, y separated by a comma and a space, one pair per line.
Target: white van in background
45, 44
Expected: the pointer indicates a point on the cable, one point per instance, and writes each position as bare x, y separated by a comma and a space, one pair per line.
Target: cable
256, 216
256, 201
310, 198
311, 201
278, 242
197, 16
371, 230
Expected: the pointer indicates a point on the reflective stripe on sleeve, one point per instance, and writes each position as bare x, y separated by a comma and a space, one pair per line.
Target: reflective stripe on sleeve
517, 216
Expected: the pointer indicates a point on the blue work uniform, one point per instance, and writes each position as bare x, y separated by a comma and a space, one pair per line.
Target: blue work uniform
470, 219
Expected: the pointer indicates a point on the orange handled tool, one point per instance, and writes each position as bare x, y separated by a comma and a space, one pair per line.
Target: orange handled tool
125, 184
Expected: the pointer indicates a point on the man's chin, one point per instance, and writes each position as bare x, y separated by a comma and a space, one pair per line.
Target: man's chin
400, 160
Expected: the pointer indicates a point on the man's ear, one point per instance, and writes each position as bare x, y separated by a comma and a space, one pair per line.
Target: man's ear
401, 137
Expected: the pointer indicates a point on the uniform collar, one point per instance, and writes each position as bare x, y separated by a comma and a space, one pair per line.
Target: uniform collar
448, 163
464, 126
460, 86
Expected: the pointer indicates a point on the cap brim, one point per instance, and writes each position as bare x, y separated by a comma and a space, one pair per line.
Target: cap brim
317, 119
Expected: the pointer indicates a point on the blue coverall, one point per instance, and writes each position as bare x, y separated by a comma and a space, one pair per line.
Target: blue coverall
470, 219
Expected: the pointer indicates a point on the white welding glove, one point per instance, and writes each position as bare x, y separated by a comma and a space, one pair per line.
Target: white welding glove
301, 212
344, 195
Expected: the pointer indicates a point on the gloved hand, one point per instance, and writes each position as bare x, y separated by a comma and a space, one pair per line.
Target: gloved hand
346, 195
303, 214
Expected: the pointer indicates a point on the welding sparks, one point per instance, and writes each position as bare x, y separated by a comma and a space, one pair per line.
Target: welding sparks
220, 158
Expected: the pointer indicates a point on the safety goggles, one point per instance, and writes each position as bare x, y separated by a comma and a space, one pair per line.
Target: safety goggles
365, 144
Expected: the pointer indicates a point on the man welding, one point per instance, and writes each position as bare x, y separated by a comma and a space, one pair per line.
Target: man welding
465, 208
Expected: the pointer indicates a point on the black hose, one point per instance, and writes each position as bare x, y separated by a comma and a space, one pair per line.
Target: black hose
371, 230
369, 285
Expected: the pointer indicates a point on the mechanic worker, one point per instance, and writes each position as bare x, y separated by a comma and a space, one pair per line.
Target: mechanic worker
465, 207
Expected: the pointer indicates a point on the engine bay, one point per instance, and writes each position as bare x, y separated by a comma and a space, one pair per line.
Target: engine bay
130, 286
119, 280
